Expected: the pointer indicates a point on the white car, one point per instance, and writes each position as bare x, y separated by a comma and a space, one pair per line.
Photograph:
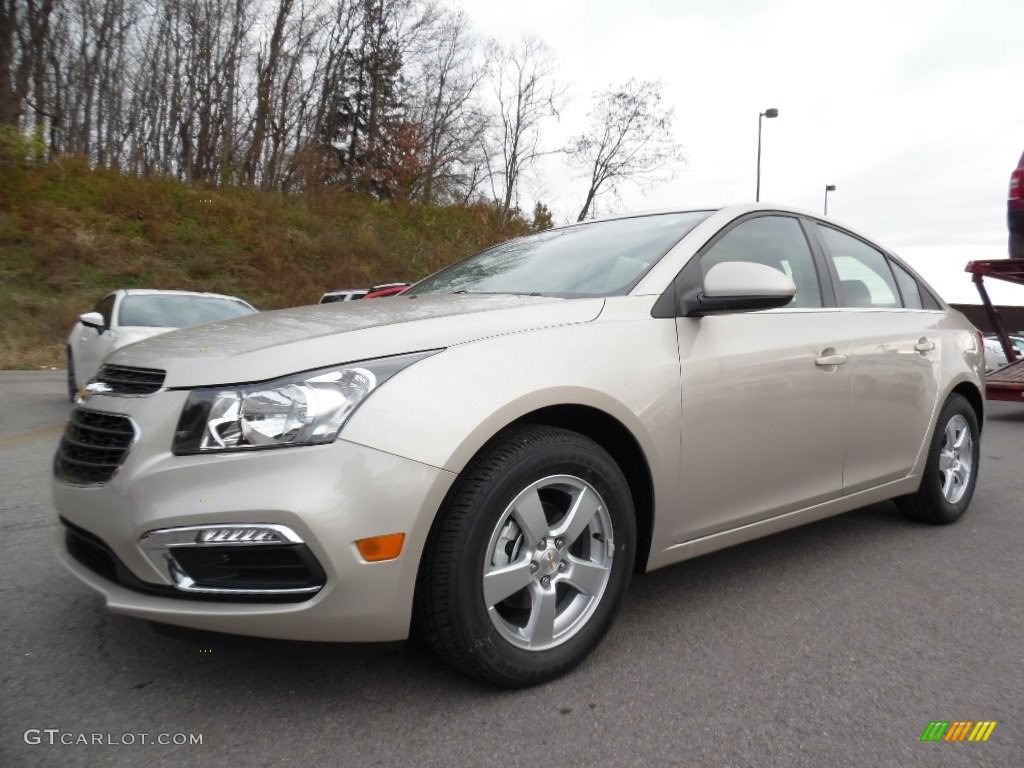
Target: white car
995, 357
133, 314
487, 458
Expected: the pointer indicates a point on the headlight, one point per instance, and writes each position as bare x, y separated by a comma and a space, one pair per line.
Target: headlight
305, 409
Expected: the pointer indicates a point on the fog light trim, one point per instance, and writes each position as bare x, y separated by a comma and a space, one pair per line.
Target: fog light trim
158, 546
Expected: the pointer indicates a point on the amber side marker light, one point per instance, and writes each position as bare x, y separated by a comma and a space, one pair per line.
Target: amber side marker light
378, 548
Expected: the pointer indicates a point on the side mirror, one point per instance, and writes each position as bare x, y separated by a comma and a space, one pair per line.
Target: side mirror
739, 286
93, 320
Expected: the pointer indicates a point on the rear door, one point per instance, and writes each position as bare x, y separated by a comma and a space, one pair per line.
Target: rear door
893, 324
764, 394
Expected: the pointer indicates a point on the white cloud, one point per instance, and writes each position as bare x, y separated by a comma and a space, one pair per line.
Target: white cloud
912, 109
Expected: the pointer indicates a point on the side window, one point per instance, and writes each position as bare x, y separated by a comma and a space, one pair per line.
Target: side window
908, 286
864, 276
775, 241
106, 308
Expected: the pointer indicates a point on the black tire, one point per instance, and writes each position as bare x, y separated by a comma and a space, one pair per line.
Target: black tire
931, 504
1017, 244
477, 524
72, 387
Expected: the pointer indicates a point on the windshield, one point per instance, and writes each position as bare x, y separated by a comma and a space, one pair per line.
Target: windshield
157, 311
600, 258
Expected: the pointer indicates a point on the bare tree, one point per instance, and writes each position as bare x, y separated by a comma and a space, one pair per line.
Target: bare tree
266, 75
445, 104
10, 99
232, 67
24, 43
385, 96
33, 63
527, 95
630, 138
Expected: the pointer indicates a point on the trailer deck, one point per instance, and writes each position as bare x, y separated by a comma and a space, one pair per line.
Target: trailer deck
1007, 383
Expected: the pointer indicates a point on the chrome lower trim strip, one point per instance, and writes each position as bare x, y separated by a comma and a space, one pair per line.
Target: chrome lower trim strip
158, 547
190, 536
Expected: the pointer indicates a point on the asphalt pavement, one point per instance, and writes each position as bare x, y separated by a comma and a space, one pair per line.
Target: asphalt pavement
830, 645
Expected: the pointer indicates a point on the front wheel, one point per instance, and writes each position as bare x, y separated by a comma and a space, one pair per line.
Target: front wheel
951, 471
529, 560
72, 387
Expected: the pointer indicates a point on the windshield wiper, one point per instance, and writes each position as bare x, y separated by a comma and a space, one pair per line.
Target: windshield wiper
499, 293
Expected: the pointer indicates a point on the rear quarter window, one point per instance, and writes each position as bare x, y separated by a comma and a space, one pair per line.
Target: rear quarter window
909, 288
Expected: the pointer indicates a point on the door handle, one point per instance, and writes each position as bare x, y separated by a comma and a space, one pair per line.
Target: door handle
830, 358
924, 345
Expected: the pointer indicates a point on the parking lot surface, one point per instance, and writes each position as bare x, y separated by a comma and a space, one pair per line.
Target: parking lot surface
830, 645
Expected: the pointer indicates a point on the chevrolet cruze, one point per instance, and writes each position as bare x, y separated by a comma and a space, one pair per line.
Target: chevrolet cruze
488, 458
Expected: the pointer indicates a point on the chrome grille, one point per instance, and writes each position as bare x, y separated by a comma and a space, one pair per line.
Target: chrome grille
124, 380
93, 447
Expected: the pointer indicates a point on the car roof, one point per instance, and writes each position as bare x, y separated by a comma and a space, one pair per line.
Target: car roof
735, 210
162, 292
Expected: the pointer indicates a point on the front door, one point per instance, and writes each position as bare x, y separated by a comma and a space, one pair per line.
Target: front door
764, 394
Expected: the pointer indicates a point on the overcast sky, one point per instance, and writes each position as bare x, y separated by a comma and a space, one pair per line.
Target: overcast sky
914, 110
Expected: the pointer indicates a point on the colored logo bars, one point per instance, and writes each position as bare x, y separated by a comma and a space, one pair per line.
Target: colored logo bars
958, 730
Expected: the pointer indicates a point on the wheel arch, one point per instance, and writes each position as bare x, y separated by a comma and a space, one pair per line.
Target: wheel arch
612, 435
968, 389
974, 396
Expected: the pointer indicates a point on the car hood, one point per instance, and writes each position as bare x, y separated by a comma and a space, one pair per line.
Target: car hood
271, 344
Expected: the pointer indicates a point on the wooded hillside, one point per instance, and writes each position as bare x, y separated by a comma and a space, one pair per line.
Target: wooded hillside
69, 233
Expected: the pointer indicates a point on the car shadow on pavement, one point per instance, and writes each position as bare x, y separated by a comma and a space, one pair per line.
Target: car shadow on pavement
309, 666
784, 560
730, 582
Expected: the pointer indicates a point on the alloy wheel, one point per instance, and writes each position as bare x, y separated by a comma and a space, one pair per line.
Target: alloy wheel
548, 562
956, 459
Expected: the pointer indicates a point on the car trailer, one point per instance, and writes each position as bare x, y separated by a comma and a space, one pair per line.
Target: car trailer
1006, 383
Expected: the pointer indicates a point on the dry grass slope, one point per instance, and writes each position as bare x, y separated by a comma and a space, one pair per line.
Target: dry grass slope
69, 233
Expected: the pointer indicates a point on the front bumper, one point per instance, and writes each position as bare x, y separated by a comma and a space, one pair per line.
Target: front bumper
330, 495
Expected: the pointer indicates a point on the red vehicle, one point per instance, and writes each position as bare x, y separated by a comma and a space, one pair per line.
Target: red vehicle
1015, 211
387, 289
1006, 383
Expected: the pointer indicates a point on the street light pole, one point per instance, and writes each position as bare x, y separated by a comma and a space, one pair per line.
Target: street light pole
828, 188
769, 113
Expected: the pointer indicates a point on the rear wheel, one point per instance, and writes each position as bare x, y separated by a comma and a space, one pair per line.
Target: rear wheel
72, 386
528, 563
951, 471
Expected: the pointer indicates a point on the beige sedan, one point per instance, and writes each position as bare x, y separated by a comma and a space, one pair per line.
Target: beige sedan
488, 458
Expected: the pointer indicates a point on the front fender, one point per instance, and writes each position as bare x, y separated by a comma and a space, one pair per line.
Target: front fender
442, 410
